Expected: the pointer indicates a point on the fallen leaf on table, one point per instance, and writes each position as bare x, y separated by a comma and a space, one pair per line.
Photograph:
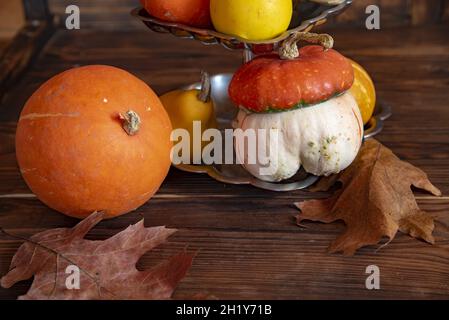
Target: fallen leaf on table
375, 201
107, 268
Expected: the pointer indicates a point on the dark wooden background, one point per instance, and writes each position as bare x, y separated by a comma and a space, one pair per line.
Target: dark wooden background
248, 244
114, 14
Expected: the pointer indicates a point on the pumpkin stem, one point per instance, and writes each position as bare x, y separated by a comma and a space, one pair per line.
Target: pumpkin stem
131, 122
289, 50
206, 87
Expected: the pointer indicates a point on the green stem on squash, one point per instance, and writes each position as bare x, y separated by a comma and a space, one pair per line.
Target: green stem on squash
206, 87
289, 49
131, 122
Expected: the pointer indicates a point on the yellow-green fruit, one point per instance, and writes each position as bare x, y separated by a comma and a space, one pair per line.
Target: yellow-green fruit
184, 108
363, 91
252, 19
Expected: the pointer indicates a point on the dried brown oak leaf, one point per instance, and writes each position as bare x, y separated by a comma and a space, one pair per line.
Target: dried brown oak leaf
375, 201
107, 268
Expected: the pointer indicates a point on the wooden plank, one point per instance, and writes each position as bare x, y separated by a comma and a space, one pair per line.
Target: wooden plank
445, 14
257, 256
394, 13
21, 51
101, 14
426, 12
114, 14
220, 213
26, 44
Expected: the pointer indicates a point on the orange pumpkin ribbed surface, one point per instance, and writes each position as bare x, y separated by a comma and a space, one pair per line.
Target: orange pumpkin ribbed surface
73, 149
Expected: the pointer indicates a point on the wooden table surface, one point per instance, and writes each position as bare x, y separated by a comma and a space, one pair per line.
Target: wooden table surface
247, 241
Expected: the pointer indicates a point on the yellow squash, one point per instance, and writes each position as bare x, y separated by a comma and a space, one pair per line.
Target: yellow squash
252, 19
363, 91
184, 107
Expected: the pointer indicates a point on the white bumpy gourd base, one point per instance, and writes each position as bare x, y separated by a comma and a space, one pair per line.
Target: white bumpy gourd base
323, 138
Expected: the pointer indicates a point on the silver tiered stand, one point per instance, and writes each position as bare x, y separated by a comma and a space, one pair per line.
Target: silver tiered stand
308, 15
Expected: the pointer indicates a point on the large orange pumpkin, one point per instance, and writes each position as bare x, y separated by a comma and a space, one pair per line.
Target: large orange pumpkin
194, 13
94, 138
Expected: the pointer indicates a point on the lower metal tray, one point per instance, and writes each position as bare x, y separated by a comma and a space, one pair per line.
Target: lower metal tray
235, 173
